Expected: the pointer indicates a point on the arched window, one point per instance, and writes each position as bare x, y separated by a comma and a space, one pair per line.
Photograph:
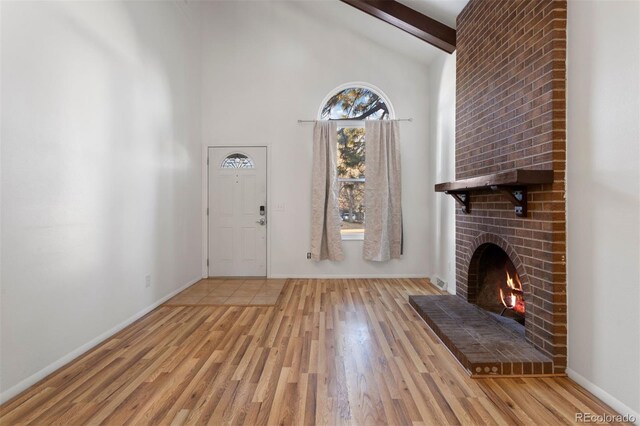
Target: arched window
355, 103
237, 161
351, 104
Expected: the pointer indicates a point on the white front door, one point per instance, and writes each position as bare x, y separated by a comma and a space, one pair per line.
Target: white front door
238, 211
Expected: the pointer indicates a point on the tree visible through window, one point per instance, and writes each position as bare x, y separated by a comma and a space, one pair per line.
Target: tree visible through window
354, 104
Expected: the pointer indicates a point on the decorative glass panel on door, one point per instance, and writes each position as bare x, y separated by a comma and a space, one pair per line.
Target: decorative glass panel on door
237, 161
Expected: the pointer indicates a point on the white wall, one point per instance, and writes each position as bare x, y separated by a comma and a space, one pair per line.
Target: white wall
100, 173
268, 64
443, 150
603, 199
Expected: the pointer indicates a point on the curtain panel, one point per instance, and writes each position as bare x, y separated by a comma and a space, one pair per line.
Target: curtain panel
326, 241
383, 191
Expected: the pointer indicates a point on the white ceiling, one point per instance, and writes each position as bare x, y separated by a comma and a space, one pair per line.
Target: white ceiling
334, 12
444, 11
383, 33
387, 35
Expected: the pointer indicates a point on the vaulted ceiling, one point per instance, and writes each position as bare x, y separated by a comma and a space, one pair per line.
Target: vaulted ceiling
336, 13
419, 23
444, 11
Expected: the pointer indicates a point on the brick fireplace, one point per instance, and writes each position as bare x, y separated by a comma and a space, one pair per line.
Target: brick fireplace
510, 98
510, 115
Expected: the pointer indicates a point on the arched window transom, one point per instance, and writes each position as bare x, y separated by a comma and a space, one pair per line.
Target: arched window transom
237, 161
355, 103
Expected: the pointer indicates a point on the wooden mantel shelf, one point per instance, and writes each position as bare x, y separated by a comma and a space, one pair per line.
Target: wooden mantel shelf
512, 183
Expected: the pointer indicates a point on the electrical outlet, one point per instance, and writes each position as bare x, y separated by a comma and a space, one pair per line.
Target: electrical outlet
308, 255
147, 280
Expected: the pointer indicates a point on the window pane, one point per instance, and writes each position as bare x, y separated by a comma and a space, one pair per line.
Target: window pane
356, 103
351, 201
351, 153
237, 161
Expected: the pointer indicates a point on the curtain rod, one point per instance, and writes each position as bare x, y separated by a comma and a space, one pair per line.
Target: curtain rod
352, 119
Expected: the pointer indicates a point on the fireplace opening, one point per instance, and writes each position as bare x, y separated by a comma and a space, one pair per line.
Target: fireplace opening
498, 288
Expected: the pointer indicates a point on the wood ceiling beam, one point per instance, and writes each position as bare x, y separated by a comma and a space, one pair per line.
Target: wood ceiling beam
409, 20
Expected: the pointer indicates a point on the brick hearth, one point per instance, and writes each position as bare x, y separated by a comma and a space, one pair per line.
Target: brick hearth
484, 344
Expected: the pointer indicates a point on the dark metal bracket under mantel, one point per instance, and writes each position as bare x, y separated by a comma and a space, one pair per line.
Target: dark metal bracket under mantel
513, 184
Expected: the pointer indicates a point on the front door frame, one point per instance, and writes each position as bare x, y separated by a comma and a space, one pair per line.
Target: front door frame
205, 202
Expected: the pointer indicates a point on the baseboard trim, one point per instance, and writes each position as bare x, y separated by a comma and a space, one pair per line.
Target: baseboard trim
354, 276
61, 362
603, 395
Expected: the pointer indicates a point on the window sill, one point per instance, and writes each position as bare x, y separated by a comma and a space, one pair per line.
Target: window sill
355, 236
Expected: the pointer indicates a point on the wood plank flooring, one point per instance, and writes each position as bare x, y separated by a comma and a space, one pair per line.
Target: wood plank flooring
329, 352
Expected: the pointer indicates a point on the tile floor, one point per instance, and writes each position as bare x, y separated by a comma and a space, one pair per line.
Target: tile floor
230, 292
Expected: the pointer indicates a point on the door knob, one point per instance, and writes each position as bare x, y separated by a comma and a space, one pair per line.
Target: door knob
261, 221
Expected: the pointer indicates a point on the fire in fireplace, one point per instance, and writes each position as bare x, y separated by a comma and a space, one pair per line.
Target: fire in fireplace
513, 296
498, 286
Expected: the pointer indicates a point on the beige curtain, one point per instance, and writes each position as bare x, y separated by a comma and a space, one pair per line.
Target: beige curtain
326, 242
383, 191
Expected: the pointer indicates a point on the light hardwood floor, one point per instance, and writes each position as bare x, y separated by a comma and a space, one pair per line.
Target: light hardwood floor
329, 352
